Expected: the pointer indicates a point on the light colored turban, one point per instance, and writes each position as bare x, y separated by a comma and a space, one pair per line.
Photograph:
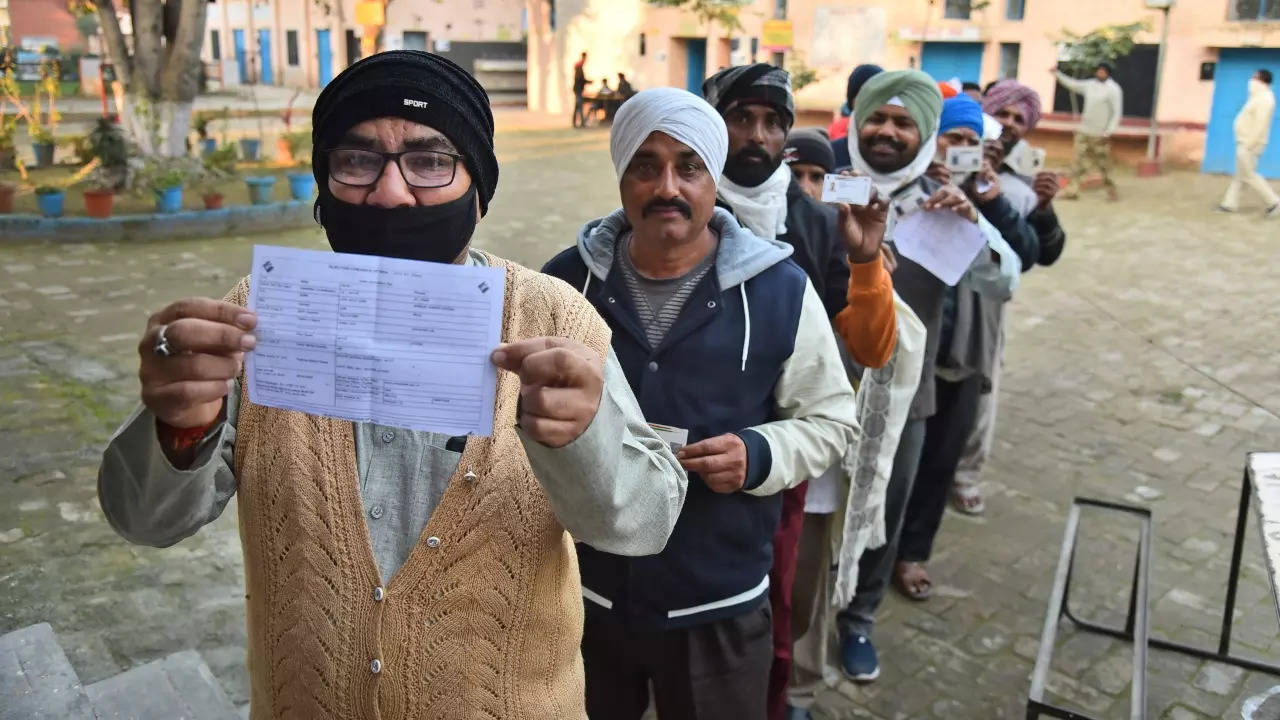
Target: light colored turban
680, 114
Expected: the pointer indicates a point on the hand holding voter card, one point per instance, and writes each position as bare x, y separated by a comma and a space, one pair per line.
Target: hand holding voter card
1025, 160
861, 214
938, 232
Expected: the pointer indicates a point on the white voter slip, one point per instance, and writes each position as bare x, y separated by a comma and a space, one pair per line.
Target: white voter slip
374, 339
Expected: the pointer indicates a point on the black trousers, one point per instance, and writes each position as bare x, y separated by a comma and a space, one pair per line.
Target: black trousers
716, 671
944, 438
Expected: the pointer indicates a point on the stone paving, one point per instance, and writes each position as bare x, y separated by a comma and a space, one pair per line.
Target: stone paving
1140, 368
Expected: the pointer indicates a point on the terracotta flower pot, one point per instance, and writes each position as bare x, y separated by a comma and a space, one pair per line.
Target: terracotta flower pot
213, 201
97, 203
6, 197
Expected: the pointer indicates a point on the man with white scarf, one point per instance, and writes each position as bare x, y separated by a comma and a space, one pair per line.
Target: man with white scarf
893, 139
727, 345
842, 262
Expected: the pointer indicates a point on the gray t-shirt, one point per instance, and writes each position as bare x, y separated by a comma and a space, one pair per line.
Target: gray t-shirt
658, 301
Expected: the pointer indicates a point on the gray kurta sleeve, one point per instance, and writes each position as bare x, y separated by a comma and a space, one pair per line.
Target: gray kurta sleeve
617, 487
150, 502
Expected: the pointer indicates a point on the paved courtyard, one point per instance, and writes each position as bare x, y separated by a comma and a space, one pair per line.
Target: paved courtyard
1140, 368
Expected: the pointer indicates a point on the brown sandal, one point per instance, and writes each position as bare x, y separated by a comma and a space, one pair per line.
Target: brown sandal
912, 580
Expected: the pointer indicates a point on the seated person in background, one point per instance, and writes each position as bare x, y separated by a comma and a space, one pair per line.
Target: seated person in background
624, 87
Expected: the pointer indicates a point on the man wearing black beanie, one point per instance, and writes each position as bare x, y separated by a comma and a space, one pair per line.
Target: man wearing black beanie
394, 573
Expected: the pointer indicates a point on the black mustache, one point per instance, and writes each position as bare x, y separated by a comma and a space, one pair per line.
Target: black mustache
754, 151
677, 204
895, 144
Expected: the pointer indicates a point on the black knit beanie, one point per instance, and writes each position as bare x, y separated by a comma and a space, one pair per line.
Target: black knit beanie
417, 86
809, 146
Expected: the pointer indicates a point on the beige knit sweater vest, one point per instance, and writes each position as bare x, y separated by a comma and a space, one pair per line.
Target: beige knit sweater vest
483, 620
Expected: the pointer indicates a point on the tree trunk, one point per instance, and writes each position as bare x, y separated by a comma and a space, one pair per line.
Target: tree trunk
148, 28
180, 79
116, 48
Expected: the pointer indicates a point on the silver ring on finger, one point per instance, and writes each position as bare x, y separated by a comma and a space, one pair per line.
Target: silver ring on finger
162, 347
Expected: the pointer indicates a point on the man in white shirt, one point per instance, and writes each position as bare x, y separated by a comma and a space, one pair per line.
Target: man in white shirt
1253, 129
1103, 106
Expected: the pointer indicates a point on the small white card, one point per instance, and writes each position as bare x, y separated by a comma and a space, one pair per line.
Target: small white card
964, 159
846, 189
941, 241
674, 437
1026, 160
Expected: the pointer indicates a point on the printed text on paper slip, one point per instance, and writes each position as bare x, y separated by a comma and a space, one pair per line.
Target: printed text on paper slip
374, 339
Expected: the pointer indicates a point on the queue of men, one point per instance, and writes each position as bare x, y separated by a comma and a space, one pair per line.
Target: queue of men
677, 438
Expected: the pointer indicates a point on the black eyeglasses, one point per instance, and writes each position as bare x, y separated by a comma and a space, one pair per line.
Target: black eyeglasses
420, 168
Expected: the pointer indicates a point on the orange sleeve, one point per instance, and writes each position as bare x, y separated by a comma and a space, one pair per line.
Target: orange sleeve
868, 325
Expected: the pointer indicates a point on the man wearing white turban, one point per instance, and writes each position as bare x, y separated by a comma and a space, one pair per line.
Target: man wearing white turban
727, 345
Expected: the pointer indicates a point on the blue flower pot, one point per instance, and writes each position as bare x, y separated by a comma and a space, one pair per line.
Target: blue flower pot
43, 152
301, 185
169, 200
207, 146
249, 148
51, 203
260, 189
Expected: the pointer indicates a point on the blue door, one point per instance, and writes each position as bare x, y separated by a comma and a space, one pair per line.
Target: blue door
237, 37
947, 60
697, 65
324, 56
264, 53
1230, 90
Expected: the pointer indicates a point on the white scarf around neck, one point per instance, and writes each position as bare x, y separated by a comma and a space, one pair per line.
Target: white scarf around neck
888, 183
761, 209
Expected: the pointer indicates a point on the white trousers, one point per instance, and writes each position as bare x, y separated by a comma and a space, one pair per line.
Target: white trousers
1247, 174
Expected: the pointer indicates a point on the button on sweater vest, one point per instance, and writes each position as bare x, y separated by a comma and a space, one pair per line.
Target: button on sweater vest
483, 620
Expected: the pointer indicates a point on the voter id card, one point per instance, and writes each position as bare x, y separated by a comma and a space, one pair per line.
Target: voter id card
1026, 160
964, 159
674, 437
909, 200
846, 189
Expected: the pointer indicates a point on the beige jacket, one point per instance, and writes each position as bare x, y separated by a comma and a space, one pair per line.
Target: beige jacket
1103, 104
1253, 124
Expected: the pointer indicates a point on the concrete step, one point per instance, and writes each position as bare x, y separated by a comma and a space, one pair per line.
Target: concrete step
177, 687
36, 681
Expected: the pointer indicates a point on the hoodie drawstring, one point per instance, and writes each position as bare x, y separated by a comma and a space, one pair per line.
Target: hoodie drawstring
746, 313
586, 284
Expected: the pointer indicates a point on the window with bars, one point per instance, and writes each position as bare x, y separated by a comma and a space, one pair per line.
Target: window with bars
291, 45
215, 45
1253, 10
1009, 55
1015, 9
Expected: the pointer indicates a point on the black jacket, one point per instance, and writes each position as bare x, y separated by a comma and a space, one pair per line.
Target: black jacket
819, 251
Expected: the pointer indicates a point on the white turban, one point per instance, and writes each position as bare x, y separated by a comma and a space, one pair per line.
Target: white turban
678, 113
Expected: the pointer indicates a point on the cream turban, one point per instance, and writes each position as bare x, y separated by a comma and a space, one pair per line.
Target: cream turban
678, 113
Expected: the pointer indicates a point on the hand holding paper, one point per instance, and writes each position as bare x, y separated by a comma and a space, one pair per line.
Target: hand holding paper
941, 242
560, 386
861, 224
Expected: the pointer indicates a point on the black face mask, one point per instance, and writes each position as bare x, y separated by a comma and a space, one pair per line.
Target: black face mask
435, 233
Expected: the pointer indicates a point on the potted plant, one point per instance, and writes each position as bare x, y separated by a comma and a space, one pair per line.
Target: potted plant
260, 188
106, 146
219, 167
167, 187
200, 121
41, 124
42, 146
7, 190
51, 200
8, 153
301, 181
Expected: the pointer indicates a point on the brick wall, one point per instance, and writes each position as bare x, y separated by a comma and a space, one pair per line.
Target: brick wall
45, 18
